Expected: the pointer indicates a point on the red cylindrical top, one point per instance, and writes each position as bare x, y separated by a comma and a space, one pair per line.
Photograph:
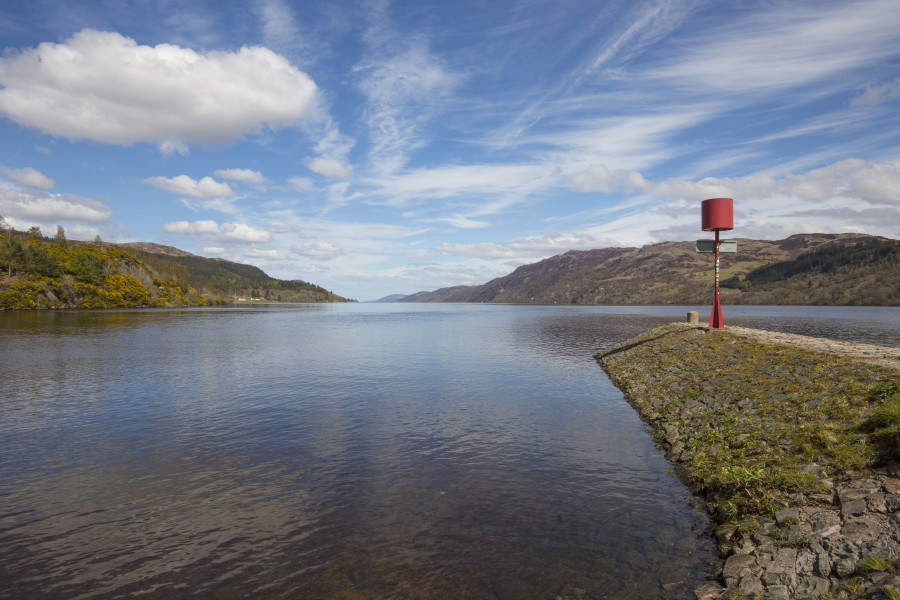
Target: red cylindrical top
717, 213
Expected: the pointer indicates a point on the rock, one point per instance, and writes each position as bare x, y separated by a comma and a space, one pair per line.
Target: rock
877, 502
826, 499
823, 565
813, 469
750, 584
823, 523
857, 489
737, 566
861, 529
891, 486
782, 569
892, 503
852, 508
778, 592
724, 532
708, 591
811, 587
787, 514
843, 558
806, 562
738, 441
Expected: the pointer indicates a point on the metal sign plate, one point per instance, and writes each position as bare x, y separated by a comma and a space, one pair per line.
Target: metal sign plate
727, 246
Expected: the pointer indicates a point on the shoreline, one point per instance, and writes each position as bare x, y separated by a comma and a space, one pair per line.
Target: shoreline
764, 427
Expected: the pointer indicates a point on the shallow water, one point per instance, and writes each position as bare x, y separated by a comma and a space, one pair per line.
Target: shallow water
340, 451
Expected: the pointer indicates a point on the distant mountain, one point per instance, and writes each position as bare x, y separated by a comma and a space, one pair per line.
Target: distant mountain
814, 269
393, 298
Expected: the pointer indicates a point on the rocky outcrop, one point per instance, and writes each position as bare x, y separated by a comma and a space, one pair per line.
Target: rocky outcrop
763, 429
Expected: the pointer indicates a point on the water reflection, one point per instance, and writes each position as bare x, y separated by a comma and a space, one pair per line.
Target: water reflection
340, 451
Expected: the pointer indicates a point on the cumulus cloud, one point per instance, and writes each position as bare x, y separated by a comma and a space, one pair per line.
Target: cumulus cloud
187, 187
18, 205
224, 233
29, 177
106, 87
254, 178
329, 168
318, 250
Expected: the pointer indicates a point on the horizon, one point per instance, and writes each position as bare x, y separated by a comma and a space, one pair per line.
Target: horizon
374, 148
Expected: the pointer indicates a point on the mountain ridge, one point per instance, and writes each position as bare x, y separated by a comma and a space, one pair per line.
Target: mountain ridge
674, 273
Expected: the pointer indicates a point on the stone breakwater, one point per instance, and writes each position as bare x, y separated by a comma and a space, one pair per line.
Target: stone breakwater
765, 427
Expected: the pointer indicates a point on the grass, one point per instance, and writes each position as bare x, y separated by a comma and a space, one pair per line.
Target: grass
875, 565
753, 415
884, 423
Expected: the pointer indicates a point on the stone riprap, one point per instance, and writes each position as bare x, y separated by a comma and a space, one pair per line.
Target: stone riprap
764, 427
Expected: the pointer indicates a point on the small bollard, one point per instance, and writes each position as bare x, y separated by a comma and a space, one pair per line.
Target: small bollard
693, 317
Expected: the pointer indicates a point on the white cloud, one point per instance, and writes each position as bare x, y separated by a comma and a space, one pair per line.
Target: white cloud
187, 187
461, 222
528, 247
465, 180
300, 184
260, 253
329, 168
421, 255
318, 250
254, 178
105, 87
171, 147
46, 208
873, 184
224, 233
30, 177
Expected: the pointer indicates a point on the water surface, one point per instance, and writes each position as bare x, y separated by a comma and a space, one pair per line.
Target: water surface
339, 451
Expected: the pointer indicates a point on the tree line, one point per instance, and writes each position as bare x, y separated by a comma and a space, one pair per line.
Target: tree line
42, 272
820, 261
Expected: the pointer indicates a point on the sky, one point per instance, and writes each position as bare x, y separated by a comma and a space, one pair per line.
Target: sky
378, 147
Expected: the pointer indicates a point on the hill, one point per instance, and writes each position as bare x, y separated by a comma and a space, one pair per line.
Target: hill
833, 269
40, 272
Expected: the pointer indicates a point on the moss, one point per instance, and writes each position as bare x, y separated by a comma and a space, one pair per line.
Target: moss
752, 414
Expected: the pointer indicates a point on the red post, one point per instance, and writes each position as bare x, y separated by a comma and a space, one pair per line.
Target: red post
715, 319
717, 214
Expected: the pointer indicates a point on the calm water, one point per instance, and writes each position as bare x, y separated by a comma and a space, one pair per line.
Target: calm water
342, 451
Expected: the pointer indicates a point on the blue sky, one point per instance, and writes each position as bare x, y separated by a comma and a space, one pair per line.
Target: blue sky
392, 147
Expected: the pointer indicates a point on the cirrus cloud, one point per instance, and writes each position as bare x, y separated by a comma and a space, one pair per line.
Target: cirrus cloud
105, 87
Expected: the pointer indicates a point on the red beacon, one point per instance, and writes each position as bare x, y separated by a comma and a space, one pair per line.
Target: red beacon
717, 214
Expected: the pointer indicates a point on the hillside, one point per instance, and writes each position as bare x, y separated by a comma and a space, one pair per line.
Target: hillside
40, 272
674, 273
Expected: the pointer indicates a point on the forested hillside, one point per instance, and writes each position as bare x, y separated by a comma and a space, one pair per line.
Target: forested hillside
228, 279
40, 272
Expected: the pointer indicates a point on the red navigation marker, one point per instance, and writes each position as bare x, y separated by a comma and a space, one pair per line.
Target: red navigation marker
717, 214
